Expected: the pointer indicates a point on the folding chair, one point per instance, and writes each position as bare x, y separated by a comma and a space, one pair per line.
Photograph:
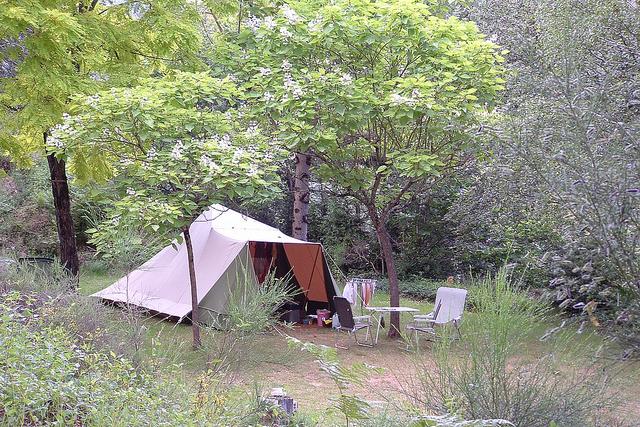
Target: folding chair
450, 304
348, 324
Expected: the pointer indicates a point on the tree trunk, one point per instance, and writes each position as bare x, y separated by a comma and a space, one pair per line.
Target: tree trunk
64, 221
195, 325
301, 196
394, 289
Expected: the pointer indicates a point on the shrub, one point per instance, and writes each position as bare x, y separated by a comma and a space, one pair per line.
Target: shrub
415, 287
252, 309
47, 377
487, 376
53, 299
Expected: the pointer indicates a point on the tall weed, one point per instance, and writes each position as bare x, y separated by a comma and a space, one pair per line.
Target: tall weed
496, 372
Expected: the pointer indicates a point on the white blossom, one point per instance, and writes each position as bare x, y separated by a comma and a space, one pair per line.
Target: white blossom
346, 79
208, 163
314, 26
253, 171
253, 23
131, 191
252, 130
397, 99
284, 32
290, 14
93, 100
225, 141
151, 153
54, 141
264, 71
286, 66
268, 97
176, 153
292, 87
99, 77
237, 155
297, 92
269, 22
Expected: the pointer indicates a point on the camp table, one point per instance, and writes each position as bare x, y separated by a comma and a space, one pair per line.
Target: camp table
378, 313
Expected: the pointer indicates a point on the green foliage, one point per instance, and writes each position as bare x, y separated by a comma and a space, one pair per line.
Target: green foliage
252, 309
495, 372
47, 377
27, 227
175, 146
56, 49
559, 194
415, 287
370, 88
59, 382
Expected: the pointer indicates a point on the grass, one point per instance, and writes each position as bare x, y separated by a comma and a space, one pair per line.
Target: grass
271, 363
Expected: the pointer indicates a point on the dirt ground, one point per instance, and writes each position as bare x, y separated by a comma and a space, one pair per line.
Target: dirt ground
302, 378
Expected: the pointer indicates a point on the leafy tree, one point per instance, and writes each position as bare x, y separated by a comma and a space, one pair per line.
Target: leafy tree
562, 184
174, 146
383, 95
54, 49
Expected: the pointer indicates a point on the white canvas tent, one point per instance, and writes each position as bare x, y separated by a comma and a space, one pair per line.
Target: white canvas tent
224, 242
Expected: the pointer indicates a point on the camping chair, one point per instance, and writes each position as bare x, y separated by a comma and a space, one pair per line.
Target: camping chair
423, 325
348, 324
449, 309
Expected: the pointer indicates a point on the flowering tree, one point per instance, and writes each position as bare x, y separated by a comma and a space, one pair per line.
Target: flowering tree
53, 49
382, 94
174, 146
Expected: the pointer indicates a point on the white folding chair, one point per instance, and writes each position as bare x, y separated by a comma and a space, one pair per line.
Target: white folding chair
449, 308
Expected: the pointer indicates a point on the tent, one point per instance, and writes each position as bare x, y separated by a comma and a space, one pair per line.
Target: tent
227, 246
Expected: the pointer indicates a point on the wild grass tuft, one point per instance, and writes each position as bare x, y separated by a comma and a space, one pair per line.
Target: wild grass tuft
495, 372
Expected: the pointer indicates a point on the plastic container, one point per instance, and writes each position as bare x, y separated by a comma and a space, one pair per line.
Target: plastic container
322, 316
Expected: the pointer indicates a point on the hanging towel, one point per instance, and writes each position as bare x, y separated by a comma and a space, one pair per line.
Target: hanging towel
368, 288
350, 292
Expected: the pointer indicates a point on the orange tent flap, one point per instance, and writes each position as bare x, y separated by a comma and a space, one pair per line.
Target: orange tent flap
307, 263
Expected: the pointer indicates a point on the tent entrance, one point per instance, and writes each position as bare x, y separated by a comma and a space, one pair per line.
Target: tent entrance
306, 266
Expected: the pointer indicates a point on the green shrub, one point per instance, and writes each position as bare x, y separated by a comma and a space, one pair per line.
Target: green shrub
47, 377
494, 372
251, 310
415, 287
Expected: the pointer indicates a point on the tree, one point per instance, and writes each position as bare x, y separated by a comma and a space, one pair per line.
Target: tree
565, 155
65, 47
172, 146
383, 94
301, 196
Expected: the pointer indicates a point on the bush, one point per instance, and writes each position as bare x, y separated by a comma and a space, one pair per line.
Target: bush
415, 287
487, 376
47, 377
53, 299
252, 310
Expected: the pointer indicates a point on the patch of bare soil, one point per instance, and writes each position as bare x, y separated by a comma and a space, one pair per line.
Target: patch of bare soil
302, 378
